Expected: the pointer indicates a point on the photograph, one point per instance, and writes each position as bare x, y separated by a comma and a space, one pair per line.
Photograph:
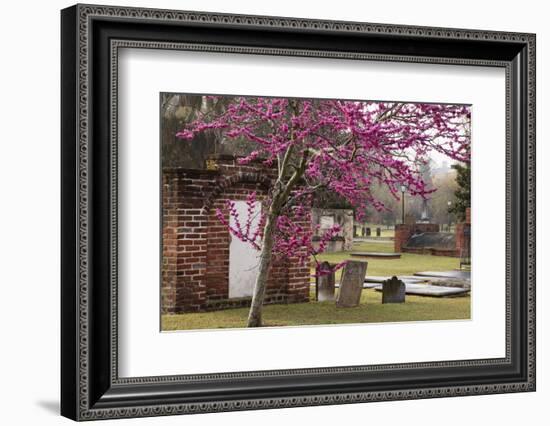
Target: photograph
272, 208
281, 211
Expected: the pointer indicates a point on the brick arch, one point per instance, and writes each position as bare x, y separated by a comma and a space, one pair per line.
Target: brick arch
232, 180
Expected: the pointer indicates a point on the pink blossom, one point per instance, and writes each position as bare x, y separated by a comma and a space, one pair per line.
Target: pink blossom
349, 147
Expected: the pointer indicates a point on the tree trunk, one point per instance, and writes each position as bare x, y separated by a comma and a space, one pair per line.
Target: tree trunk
280, 196
255, 314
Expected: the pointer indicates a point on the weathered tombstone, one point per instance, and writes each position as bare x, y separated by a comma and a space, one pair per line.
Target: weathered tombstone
368, 232
351, 284
325, 283
378, 232
393, 291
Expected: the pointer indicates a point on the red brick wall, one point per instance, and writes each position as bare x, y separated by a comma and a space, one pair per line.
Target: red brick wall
195, 266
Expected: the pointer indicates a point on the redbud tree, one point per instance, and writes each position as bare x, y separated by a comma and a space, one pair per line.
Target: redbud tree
344, 147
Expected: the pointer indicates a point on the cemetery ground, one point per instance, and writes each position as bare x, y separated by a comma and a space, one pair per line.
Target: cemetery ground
370, 310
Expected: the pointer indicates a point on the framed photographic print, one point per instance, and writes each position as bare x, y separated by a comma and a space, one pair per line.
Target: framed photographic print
263, 212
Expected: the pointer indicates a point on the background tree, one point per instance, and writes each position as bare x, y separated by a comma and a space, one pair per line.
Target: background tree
345, 147
391, 212
177, 111
446, 186
462, 194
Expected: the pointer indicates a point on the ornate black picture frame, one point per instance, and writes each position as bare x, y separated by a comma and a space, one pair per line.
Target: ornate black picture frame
91, 388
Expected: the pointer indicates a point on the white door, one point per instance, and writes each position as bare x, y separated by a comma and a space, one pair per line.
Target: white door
243, 258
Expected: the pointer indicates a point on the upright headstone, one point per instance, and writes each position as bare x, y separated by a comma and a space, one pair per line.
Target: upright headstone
363, 231
368, 232
351, 284
378, 232
393, 291
325, 283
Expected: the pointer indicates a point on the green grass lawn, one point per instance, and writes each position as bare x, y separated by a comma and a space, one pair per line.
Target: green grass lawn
416, 308
314, 313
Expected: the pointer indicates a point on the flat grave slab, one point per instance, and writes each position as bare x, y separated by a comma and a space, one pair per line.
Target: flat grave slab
380, 279
376, 255
417, 285
419, 289
461, 275
372, 285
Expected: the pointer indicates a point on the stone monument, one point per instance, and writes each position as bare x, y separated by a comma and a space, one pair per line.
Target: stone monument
424, 216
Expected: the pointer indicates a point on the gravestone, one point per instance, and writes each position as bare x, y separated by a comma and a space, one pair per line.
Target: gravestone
368, 232
378, 232
393, 291
363, 231
351, 284
325, 283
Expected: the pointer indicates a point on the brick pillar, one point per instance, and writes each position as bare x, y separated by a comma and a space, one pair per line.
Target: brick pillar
169, 242
299, 275
462, 237
217, 257
191, 263
298, 283
402, 234
462, 233
184, 234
